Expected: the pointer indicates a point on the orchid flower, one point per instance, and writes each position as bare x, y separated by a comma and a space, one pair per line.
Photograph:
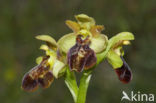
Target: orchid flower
81, 51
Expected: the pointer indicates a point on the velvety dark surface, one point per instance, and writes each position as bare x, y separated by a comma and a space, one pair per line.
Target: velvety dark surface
22, 20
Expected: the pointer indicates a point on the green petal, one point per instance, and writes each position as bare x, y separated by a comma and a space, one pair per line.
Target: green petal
73, 25
58, 68
66, 42
99, 43
96, 29
52, 58
114, 59
39, 59
48, 39
119, 37
44, 47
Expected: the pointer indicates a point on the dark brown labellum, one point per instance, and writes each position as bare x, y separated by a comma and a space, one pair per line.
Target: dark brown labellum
124, 73
29, 84
46, 80
91, 61
38, 75
80, 56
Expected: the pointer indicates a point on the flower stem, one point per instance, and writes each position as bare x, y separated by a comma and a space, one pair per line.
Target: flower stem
79, 93
84, 82
71, 83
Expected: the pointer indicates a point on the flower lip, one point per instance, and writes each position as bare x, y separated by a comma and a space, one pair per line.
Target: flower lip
46, 80
28, 83
38, 75
80, 56
124, 73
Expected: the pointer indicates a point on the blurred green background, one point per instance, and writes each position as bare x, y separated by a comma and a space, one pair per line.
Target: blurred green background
22, 20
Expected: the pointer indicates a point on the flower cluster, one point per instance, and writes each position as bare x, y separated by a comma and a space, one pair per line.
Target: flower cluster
78, 51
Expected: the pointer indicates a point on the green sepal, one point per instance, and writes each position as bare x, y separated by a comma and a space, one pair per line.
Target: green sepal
98, 43
66, 42
58, 68
47, 39
83, 18
114, 59
123, 36
85, 21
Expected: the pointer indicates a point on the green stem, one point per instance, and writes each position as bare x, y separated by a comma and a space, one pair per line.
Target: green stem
71, 83
79, 94
84, 83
